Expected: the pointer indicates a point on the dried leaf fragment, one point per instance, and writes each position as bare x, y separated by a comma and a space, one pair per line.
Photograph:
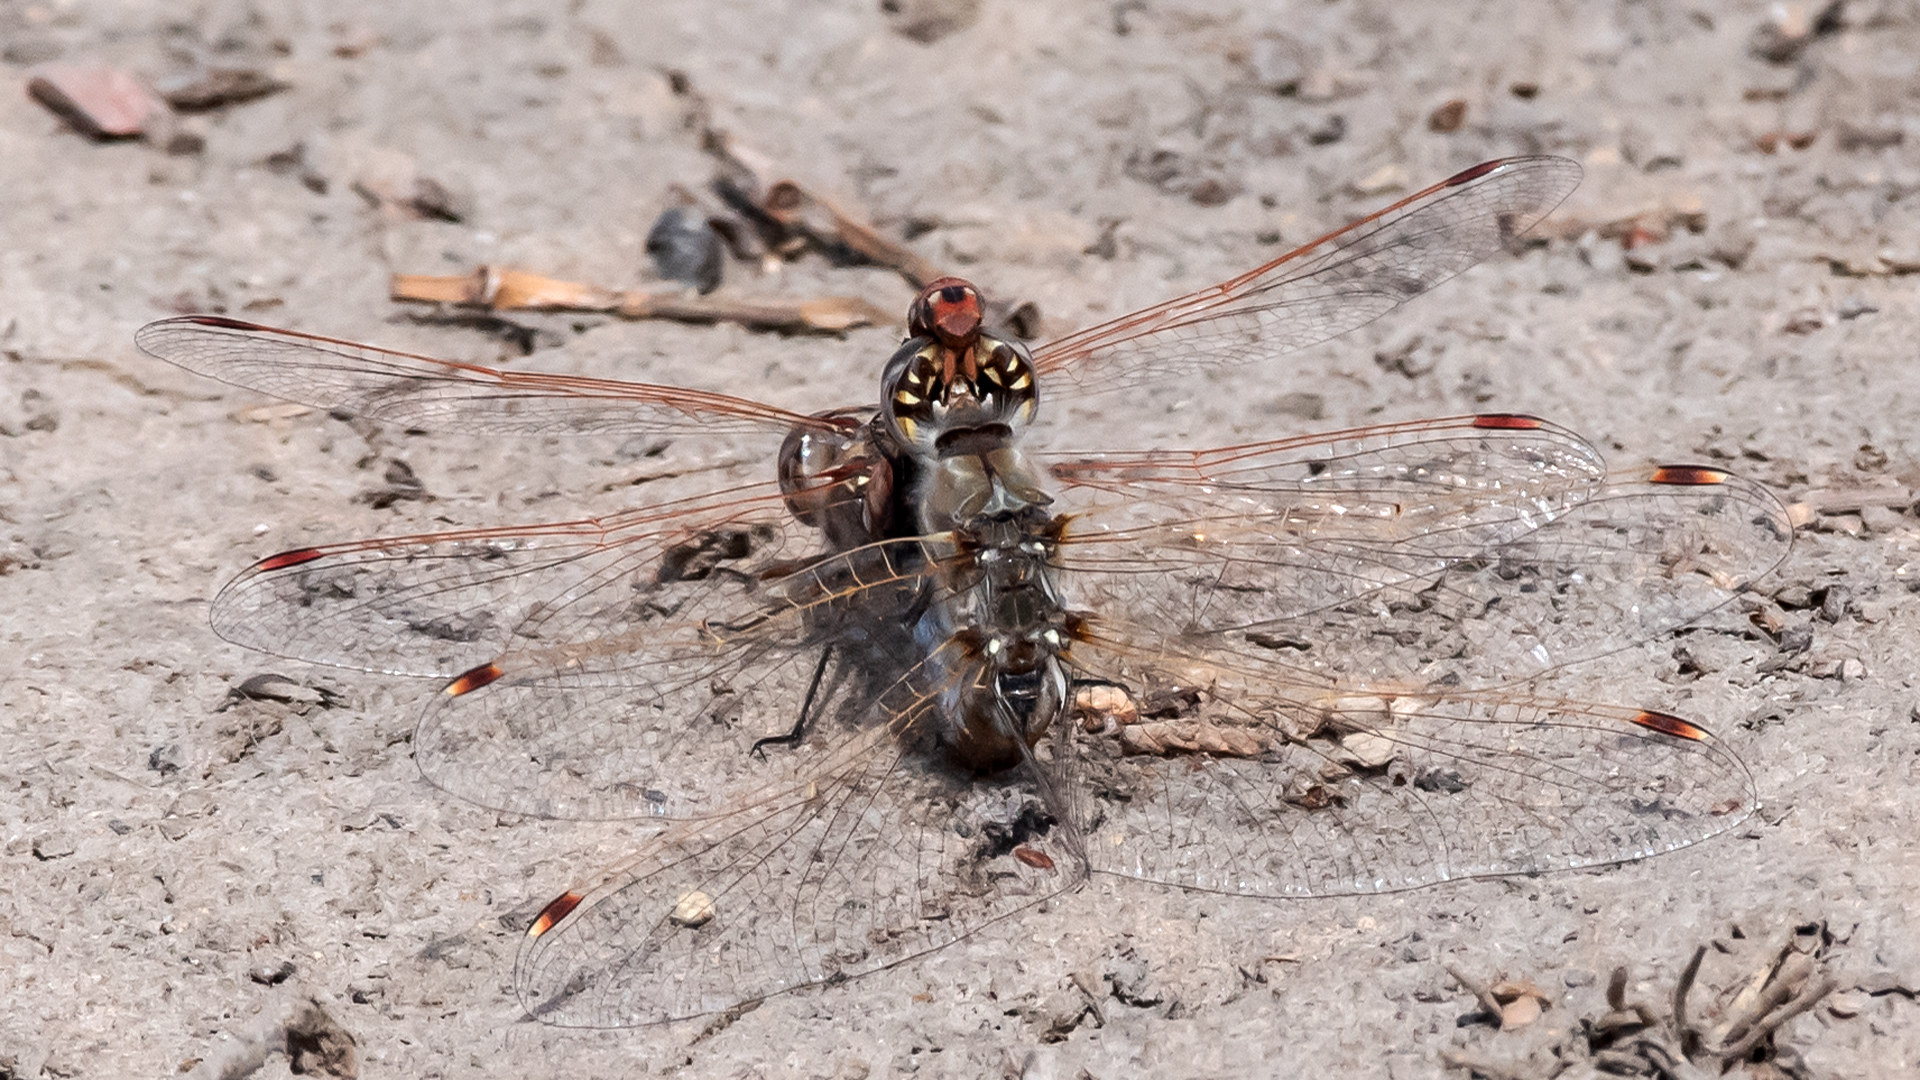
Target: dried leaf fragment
1165, 738
1104, 708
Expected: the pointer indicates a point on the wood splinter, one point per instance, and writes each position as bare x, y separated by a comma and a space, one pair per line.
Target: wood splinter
496, 288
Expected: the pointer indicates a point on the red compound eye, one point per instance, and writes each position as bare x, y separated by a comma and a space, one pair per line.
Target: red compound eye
948, 310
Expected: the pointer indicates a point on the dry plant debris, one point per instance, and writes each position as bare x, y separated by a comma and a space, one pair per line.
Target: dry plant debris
762, 215
1733, 1028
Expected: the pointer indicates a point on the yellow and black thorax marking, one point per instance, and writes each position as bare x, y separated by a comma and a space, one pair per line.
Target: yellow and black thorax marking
939, 399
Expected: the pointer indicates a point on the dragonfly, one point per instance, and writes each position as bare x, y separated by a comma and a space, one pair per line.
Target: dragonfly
922, 678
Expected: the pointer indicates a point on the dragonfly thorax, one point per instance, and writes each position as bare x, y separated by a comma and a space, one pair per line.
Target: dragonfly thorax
998, 645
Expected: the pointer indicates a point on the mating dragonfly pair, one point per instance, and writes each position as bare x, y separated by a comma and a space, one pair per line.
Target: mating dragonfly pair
1306, 667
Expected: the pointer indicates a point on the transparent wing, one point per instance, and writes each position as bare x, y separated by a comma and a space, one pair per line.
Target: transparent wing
881, 856
438, 604
1252, 536
605, 668
1375, 730
1479, 550
441, 395
1359, 793
1341, 281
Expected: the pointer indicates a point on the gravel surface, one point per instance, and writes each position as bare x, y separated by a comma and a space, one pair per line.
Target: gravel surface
184, 875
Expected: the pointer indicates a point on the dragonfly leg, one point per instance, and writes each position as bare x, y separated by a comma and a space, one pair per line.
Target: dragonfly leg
792, 737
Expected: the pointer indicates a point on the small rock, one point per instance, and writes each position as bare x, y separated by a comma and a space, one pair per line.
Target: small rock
395, 187
927, 21
1855, 306
1795, 596
166, 760
1385, 179
268, 686
1771, 142
1849, 524
1305, 405
1132, 981
1835, 600
271, 975
1213, 191
100, 102
1841, 668
292, 161
1881, 520
1278, 62
1792, 27
316, 1043
1058, 1014
1846, 1003
684, 247
1855, 140
1330, 131
1804, 320
1448, 118
1887, 982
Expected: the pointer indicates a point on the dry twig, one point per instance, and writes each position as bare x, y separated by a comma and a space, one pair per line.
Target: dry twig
494, 288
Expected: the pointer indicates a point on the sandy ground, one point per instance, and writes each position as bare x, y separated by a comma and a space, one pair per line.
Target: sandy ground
178, 875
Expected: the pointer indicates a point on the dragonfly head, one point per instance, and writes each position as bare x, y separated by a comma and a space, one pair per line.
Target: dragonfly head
949, 311
952, 378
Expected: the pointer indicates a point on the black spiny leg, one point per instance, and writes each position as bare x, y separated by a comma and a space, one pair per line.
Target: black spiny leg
792, 738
